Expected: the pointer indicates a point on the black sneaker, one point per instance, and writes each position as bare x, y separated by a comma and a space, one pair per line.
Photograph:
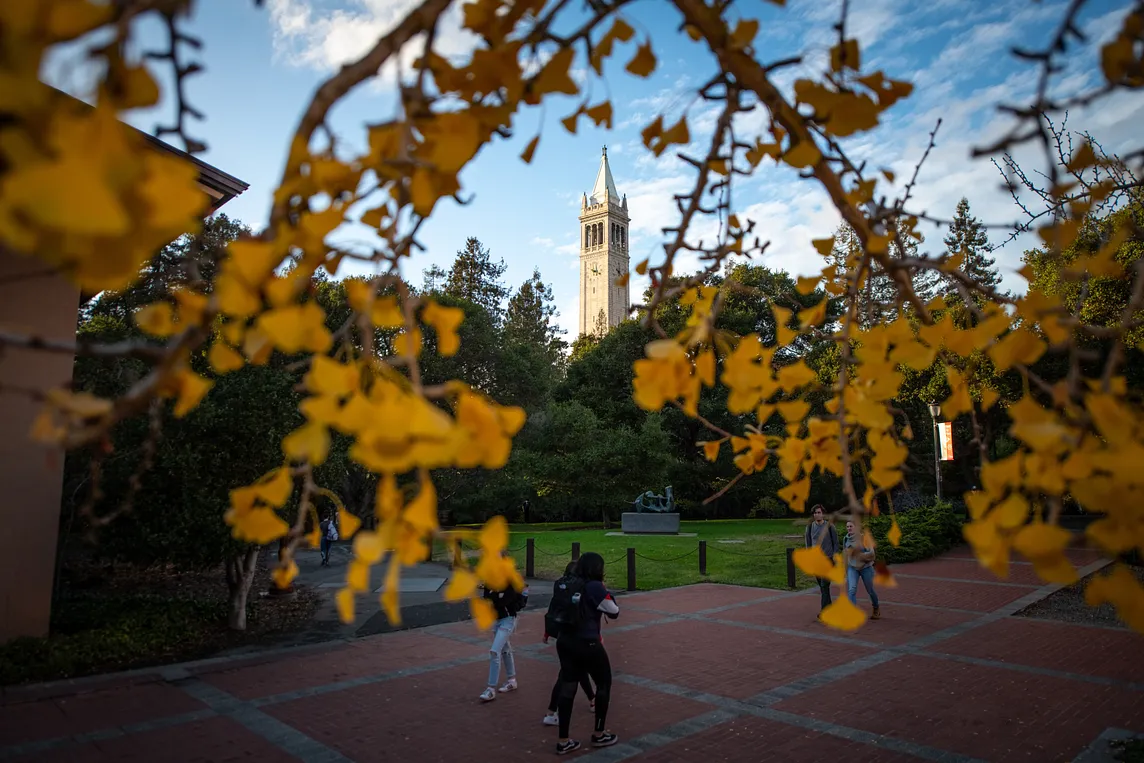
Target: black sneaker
563, 748
607, 739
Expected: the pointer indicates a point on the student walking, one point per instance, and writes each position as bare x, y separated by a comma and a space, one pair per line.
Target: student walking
552, 630
859, 564
508, 604
822, 533
329, 528
582, 602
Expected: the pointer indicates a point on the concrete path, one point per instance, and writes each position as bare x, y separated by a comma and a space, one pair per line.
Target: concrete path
703, 673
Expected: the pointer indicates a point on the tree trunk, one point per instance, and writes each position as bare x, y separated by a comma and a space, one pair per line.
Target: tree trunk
239, 578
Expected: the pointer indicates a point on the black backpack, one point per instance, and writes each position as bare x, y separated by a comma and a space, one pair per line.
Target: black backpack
564, 614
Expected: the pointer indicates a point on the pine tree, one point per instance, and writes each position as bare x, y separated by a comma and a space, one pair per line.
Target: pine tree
967, 234
530, 317
877, 295
475, 277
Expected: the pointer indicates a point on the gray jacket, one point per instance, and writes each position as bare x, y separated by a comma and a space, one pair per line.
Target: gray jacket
856, 561
814, 535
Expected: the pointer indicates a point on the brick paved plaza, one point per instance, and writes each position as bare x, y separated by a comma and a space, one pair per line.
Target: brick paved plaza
703, 673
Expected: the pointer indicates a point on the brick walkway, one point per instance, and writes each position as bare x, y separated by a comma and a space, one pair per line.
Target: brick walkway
703, 673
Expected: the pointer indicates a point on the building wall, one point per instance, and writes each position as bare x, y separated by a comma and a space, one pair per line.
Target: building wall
603, 259
31, 475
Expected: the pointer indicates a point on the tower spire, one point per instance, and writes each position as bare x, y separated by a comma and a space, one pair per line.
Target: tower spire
604, 182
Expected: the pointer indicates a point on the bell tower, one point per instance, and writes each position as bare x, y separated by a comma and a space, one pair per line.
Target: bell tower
603, 254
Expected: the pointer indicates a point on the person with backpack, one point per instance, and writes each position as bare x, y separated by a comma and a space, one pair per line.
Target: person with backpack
582, 602
329, 528
552, 630
508, 603
859, 564
822, 533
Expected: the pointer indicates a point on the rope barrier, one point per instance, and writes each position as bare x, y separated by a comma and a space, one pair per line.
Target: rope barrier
672, 559
745, 553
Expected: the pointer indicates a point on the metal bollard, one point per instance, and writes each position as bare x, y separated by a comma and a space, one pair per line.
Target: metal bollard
790, 568
702, 557
575, 551
631, 569
530, 558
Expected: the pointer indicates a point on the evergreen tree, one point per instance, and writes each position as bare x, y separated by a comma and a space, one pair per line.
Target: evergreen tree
967, 234
530, 318
475, 277
180, 262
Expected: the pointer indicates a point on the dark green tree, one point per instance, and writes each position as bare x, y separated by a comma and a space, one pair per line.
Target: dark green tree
187, 259
473, 277
967, 234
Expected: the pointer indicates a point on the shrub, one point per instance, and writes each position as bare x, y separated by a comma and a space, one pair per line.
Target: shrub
769, 507
926, 532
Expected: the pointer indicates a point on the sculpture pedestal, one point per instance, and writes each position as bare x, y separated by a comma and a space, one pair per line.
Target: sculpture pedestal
650, 523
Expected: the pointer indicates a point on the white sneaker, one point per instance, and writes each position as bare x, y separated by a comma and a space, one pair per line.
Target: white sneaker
509, 685
552, 719
488, 695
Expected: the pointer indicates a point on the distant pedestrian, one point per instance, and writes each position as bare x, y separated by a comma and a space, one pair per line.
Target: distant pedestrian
508, 603
859, 564
822, 534
552, 630
329, 528
581, 652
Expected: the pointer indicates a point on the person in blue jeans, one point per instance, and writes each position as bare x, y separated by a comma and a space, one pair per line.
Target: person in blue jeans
508, 604
859, 565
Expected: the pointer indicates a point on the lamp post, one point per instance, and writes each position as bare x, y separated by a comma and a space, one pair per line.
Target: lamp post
935, 412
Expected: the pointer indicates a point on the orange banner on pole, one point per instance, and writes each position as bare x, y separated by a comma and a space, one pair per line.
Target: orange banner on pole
945, 434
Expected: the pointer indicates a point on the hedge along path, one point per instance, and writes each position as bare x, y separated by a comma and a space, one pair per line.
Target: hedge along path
78, 193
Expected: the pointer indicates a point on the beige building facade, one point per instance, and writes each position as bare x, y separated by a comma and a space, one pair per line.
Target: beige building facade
43, 305
604, 226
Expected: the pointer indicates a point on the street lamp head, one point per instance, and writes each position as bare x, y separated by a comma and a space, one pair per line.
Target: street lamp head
934, 410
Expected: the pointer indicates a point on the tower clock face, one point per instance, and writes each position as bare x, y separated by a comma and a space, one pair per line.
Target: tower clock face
595, 270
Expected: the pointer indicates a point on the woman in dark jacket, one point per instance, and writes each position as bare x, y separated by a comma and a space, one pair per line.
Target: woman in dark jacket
581, 653
552, 718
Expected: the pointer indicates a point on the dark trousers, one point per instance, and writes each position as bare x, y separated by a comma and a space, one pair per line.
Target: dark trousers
579, 658
824, 587
585, 684
325, 546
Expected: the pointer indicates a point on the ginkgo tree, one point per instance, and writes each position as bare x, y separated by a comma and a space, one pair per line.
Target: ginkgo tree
79, 193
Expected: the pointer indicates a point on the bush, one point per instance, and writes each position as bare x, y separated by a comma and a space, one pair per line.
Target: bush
113, 633
768, 507
926, 532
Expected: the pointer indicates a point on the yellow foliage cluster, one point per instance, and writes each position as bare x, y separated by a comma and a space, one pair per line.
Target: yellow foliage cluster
79, 191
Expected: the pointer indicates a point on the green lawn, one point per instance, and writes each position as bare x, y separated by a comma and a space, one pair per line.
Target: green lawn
664, 561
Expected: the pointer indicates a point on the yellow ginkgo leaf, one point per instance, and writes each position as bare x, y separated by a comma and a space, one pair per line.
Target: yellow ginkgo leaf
192, 389
813, 562
283, 576
643, 63
259, 525
357, 576
843, 616
801, 155
310, 442
368, 547
462, 585
530, 150
895, 533
483, 613
711, 448
494, 535
601, 114
157, 319
345, 601
224, 358
277, 488
348, 524
391, 592
421, 513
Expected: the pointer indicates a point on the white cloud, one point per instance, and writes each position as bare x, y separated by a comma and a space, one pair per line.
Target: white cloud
323, 36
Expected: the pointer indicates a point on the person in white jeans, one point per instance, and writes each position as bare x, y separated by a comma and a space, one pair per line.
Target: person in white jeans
507, 603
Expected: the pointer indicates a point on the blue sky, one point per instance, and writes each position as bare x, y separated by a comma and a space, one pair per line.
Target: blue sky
262, 65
